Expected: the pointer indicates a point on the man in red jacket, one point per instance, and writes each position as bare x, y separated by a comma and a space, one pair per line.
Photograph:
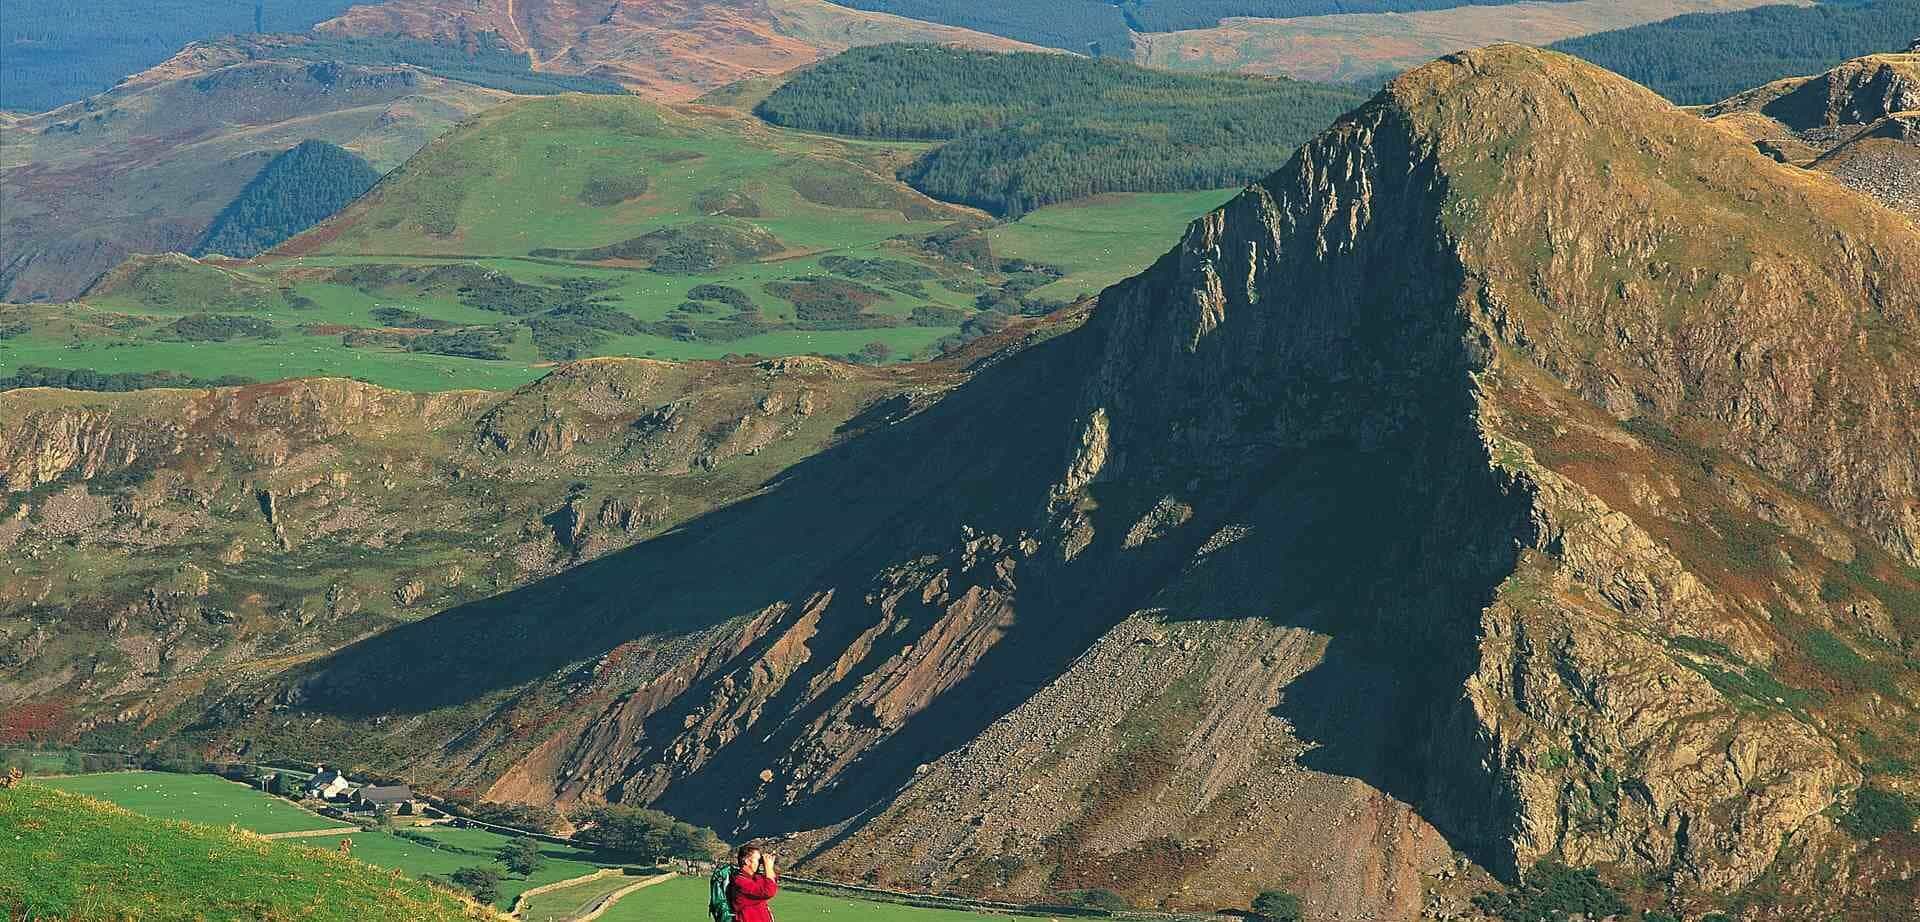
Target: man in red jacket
754, 884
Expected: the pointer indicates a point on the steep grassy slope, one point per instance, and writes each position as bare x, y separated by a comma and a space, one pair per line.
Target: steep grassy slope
673, 50
145, 167
1525, 471
79, 859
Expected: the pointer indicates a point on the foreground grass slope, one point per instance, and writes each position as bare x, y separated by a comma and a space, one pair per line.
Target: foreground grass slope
415, 852
77, 859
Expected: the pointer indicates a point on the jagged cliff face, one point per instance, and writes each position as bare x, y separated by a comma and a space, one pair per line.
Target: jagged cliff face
1499, 242
1526, 470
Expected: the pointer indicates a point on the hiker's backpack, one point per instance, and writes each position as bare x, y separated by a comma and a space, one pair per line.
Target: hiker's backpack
717, 905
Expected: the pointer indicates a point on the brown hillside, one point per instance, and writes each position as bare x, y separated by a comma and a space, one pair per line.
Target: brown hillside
671, 50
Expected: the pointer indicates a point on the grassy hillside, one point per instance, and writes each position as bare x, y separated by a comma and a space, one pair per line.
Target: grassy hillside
160, 158
428, 850
564, 227
1026, 130
1705, 57
77, 859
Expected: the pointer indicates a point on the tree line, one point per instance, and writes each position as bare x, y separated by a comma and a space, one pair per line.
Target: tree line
295, 190
1026, 130
1706, 57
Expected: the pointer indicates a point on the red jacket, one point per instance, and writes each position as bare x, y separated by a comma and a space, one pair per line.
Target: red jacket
748, 895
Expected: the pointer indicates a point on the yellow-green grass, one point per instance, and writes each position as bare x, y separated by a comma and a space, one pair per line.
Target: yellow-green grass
571, 902
207, 799
477, 849
684, 899
77, 859
1102, 240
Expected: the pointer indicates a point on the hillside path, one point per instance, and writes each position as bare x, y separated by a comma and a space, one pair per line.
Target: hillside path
304, 833
606, 902
514, 21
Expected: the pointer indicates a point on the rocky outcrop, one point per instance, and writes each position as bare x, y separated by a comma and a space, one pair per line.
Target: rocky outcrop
1883, 161
1858, 92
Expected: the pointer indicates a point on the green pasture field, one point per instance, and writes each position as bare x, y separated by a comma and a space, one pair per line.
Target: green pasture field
533, 176
684, 899
478, 849
1102, 240
206, 799
571, 902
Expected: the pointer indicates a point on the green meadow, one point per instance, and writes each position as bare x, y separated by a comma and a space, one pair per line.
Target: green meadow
460, 848
207, 799
564, 227
1104, 239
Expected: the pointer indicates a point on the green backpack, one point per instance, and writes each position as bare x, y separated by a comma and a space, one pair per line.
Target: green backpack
717, 905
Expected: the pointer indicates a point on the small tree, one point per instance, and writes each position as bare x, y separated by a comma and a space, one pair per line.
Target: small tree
72, 764
522, 856
643, 835
406, 808
383, 817
1277, 906
1097, 898
483, 883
